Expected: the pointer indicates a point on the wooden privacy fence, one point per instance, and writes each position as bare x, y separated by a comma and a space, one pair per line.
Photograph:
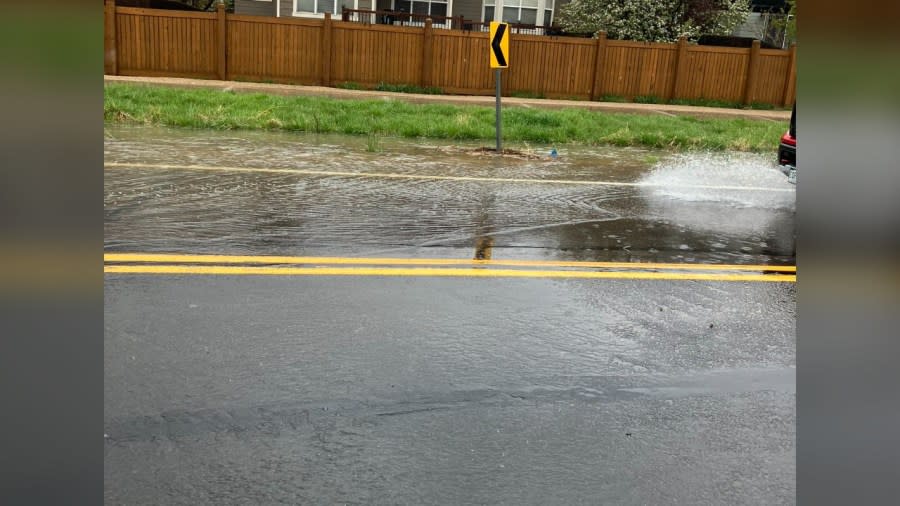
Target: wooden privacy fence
150, 42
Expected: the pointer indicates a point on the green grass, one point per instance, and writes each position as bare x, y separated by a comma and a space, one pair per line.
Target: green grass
702, 102
648, 99
396, 88
613, 98
705, 102
373, 144
377, 118
766, 107
349, 85
526, 94
408, 88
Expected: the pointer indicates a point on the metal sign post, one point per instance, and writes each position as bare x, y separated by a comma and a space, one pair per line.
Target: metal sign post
498, 109
499, 60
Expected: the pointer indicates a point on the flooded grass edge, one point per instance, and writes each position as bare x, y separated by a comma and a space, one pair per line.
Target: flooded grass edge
218, 110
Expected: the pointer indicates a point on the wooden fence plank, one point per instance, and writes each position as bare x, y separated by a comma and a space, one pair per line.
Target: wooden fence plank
109, 38
770, 82
752, 74
599, 62
222, 42
327, 36
790, 79
426, 53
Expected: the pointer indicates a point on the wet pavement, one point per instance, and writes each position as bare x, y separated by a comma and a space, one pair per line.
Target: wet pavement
422, 390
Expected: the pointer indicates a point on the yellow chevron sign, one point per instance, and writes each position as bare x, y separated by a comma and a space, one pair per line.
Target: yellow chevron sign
499, 45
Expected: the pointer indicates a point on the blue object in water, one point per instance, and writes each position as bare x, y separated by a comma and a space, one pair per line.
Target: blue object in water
553, 153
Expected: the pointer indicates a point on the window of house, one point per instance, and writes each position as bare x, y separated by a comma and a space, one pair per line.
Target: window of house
529, 12
425, 7
520, 11
333, 6
489, 10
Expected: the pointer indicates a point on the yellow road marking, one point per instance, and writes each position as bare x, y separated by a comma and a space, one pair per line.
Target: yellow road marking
436, 272
392, 175
248, 259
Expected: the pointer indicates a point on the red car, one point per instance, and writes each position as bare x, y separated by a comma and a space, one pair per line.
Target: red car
787, 150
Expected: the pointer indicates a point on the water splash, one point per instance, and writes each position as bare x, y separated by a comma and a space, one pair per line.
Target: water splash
737, 179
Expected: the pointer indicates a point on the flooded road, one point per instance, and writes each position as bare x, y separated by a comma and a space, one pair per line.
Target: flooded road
648, 206
362, 388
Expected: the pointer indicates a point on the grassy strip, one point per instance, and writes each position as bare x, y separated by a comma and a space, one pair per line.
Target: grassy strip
396, 88
226, 110
702, 102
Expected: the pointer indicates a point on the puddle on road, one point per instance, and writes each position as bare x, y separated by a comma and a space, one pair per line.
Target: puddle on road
223, 211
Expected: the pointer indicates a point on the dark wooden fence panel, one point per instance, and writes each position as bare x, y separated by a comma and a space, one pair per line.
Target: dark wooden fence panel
716, 73
165, 43
371, 54
288, 51
549, 66
314, 51
632, 69
773, 67
460, 62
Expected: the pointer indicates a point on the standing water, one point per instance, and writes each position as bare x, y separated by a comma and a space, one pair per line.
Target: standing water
191, 191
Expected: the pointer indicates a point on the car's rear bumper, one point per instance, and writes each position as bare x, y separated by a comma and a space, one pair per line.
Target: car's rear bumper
787, 155
787, 161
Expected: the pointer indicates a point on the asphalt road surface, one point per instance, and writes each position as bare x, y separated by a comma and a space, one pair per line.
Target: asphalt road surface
313, 320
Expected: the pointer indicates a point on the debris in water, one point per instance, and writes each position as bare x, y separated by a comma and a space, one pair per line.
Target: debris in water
506, 152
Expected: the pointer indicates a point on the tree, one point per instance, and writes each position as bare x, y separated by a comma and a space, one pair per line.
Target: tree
788, 22
208, 5
654, 20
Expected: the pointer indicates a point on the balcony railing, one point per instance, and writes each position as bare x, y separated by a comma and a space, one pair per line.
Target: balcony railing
517, 28
398, 18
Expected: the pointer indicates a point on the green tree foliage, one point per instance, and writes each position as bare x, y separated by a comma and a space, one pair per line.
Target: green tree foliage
788, 23
208, 5
654, 20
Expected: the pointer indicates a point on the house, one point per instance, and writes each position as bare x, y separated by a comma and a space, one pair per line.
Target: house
540, 13
761, 23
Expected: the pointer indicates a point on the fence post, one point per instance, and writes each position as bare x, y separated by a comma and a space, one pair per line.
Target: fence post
599, 60
752, 74
326, 50
681, 60
110, 58
222, 67
426, 54
791, 77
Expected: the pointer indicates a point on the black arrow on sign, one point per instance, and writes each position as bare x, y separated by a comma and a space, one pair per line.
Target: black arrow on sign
495, 45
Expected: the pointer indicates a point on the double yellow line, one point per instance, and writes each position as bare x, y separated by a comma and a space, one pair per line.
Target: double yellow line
187, 264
